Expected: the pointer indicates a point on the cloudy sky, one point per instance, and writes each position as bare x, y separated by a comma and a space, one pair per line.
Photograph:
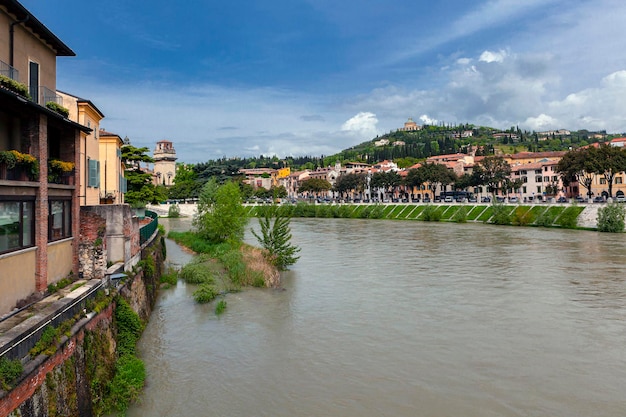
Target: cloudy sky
312, 77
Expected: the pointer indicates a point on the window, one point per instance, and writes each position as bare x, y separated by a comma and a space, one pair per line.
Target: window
602, 181
524, 179
523, 172
94, 173
539, 189
546, 179
555, 178
618, 180
60, 222
538, 178
524, 190
17, 225
33, 78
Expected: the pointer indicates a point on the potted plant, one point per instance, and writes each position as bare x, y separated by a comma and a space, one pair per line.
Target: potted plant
139, 207
60, 172
15, 165
63, 111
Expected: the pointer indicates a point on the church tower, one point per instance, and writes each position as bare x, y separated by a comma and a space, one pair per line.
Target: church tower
164, 163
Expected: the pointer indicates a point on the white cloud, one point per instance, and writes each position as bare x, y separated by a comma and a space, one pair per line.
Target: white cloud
463, 61
489, 56
364, 123
541, 122
427, 120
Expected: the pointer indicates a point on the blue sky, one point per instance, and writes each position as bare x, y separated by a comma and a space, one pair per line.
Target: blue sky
313, 77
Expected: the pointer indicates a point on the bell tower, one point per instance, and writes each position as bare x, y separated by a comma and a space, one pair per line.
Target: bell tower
164, 163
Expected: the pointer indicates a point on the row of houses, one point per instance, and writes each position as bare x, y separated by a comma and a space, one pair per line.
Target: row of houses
536, 172
54, 159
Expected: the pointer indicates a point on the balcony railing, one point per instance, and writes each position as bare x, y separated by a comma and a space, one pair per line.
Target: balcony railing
48, 95
9, 71
145, 232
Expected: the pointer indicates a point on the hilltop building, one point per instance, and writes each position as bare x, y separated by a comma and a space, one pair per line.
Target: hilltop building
164, 163
410, 126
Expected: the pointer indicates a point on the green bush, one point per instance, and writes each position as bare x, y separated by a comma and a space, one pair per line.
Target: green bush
460, 216
63, 111
205, 293
173, 211
10, 370
14, 86
522, 216
501, 214
196, 273
431, 213
611, 218
546, 219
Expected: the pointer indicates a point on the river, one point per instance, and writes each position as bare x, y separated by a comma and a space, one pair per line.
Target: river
390, 318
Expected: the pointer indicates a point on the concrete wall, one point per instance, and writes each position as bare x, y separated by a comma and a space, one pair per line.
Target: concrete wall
17, 279
60, 259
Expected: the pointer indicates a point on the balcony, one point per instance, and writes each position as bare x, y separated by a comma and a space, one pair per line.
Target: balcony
46, 95
9, 71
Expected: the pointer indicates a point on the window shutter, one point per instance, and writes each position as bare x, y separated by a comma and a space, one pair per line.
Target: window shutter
91, 181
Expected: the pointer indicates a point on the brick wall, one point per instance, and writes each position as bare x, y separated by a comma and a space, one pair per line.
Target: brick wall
92, 255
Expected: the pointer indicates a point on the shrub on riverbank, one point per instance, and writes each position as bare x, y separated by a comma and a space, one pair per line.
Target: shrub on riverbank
611, 218
242, 264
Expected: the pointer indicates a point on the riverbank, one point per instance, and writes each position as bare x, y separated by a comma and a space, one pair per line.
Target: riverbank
242, 264
586, 214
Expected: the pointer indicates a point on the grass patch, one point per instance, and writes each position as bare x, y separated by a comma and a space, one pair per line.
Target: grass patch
485, 215
449, 212
569, 217
394, 213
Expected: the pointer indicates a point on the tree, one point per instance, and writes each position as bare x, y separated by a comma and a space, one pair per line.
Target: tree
611, 161
221, 215
611, 218
436, 174
350, 182
276, 236
414, 179
315, 185
141, 190
495, 170
580, 166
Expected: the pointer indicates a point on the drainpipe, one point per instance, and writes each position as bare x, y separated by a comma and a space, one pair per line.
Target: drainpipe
11, 36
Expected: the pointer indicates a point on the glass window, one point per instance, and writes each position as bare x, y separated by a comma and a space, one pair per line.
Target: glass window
60, 223
17, 225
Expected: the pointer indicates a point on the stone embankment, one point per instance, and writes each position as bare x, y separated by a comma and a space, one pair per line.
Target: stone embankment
69, 377
588, 218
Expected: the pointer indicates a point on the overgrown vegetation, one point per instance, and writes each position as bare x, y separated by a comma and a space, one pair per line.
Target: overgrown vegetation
10, 370
611, 218
501, 214
130, 372
431, 213
220, 307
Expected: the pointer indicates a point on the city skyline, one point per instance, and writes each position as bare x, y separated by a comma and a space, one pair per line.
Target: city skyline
314, 77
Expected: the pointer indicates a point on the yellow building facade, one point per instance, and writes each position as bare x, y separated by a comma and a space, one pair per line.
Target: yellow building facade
112, 181
84, 112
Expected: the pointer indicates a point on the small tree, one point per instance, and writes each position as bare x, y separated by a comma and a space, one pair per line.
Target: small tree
221, 214
611, 218
275, 237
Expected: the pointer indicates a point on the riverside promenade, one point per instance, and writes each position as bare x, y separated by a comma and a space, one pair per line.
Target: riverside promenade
588, 218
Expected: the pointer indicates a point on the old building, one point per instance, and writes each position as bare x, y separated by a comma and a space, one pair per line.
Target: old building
164, 163
39, 150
